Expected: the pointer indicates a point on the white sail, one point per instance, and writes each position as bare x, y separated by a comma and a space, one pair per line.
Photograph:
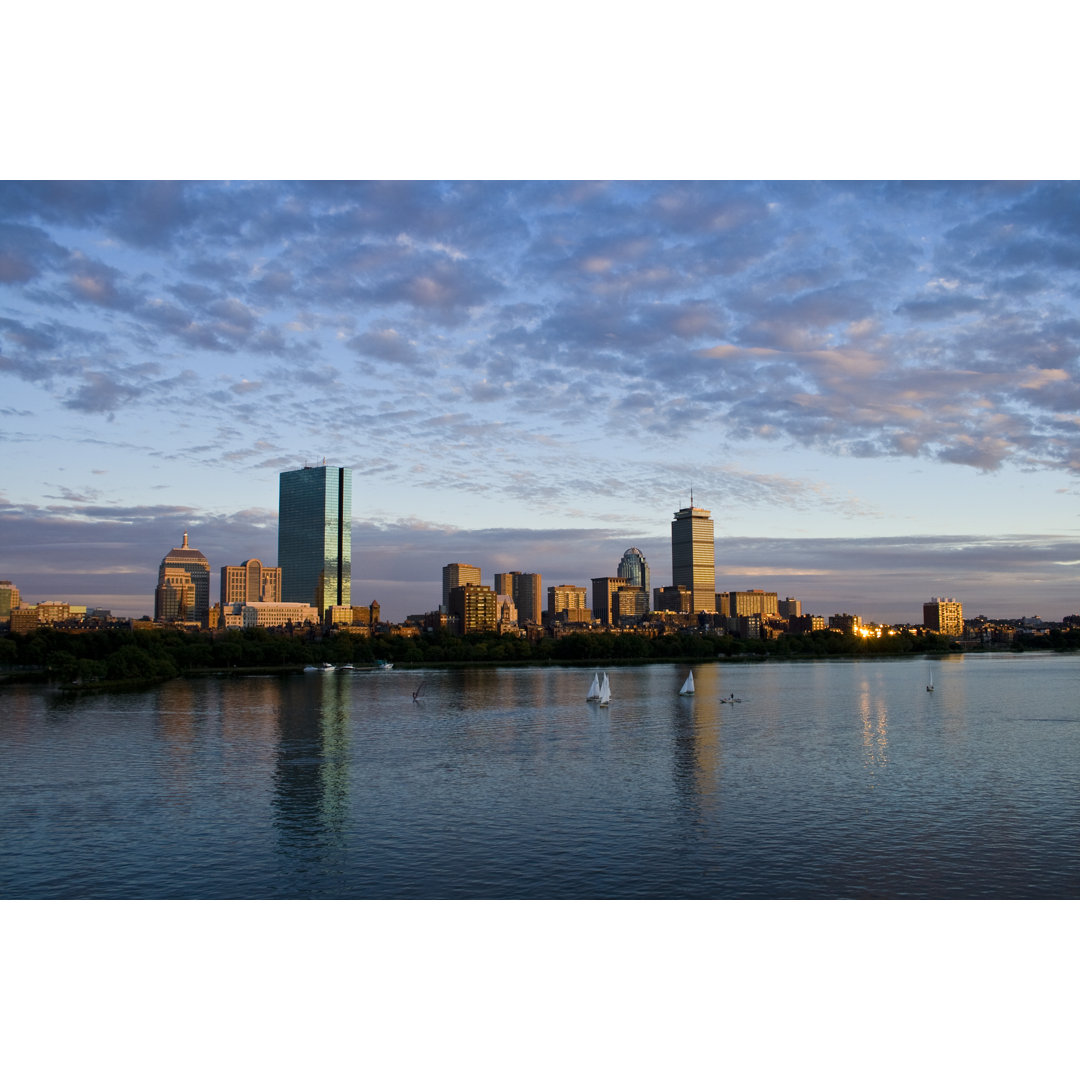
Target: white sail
605, 691
594, 688
688, 686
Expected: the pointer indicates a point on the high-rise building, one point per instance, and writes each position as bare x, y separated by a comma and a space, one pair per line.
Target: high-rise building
183, 590
568, 603
635, 569
673, 598
525, 591
629, 604
250, 583
602, 590
693, 559
476, 608
789, 607
9, 598
944, 615
455, 574
315, 536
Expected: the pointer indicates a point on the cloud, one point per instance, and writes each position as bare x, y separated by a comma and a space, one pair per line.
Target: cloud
388, 344
919, 320
937, 308
93, 282
25, 252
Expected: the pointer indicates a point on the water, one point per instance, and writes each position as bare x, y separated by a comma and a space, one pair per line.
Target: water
827, 779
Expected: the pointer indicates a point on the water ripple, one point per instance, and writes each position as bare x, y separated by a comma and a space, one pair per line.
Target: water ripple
826, 780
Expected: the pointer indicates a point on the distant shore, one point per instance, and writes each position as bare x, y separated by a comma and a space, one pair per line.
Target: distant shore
138, 669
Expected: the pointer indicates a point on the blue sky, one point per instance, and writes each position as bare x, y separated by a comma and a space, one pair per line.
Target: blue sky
874, 387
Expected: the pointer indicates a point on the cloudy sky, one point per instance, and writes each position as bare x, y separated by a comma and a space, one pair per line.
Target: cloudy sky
874, 387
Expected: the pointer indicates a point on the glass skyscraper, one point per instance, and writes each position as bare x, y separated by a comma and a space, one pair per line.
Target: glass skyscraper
315, 536
635, 569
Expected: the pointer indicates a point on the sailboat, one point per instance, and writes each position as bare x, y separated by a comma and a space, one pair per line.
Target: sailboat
605, 692
594, 688
930, 684
688, 686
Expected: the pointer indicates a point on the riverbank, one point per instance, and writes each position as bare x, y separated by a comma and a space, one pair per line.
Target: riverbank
116, 659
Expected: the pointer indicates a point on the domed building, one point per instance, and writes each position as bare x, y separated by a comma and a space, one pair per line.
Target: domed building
635, 569
183, 590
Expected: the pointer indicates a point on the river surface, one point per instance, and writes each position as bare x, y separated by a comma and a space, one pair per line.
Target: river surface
825, 779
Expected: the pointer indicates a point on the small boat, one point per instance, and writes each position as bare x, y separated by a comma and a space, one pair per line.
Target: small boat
605, 693
594, 689
416, 692
930, 684
688, 686
384, 665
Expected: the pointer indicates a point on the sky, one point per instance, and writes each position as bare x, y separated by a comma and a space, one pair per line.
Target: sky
872, 386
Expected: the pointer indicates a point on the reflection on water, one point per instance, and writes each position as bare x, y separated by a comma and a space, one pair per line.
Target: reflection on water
311, 773
823, 779
875, 722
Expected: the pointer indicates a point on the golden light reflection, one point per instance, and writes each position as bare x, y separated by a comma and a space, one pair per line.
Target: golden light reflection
704, 715
875, 721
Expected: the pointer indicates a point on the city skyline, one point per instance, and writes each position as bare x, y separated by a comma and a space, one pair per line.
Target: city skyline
873, 387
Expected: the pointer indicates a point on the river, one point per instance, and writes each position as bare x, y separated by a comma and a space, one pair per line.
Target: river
823, 779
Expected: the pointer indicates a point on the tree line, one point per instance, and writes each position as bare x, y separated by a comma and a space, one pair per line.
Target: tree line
124, 655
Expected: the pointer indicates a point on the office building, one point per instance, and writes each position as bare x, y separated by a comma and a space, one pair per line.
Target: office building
174, 597
602, 590
58, 611
568, 603
673, 598
629, 605
693, 560
250, 583
750, 602
183, 590
315, 536
9, 600
634, 568
525, 591
267, 614
944, 615
790, 608
23, 619
475, 607
454, 575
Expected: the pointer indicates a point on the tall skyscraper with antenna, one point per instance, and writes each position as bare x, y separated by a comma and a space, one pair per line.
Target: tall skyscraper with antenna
693, 556
315, 536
